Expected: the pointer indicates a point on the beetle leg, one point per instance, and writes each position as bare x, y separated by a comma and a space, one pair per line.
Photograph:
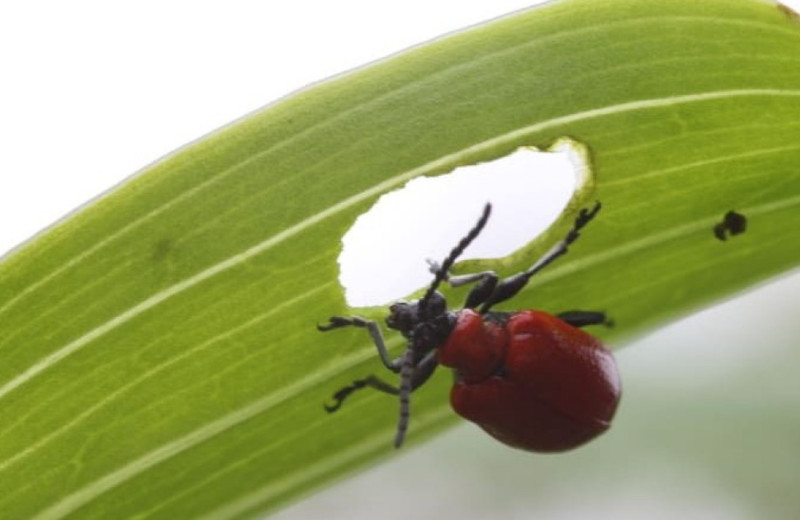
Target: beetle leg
459, 279
336, 322
585, 318
358, 384
482, 290
486, 282
422, 372
424, 369
513, 284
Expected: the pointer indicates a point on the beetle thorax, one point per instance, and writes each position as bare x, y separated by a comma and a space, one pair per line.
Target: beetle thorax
426, 325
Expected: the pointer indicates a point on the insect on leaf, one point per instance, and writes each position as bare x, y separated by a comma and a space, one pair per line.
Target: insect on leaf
159, 350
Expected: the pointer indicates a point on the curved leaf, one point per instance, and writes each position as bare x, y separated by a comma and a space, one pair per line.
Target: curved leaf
159, 351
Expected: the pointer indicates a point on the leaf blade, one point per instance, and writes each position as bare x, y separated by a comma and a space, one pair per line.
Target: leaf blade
210, 233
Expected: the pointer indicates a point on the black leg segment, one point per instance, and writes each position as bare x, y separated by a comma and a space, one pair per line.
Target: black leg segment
358, 384
420, 373
585, 318
509, 287
488, 291
336, 322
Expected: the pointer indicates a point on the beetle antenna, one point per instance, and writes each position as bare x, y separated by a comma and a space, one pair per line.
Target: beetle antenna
406, 373
444, 268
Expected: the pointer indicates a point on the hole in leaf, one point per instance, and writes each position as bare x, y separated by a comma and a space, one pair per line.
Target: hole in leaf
383, 255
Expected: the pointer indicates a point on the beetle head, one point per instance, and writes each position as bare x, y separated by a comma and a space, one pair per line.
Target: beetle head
405, 316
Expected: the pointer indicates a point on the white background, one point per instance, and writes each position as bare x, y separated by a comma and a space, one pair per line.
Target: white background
91, 92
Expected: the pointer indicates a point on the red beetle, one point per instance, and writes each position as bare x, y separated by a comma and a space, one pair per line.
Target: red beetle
530, 379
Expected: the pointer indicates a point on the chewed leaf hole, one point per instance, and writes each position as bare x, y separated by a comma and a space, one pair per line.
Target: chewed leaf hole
383, 256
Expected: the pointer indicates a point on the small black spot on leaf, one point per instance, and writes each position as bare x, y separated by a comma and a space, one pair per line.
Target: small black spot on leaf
732, 224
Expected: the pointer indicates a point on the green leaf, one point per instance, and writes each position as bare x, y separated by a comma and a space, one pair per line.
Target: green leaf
159, 355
